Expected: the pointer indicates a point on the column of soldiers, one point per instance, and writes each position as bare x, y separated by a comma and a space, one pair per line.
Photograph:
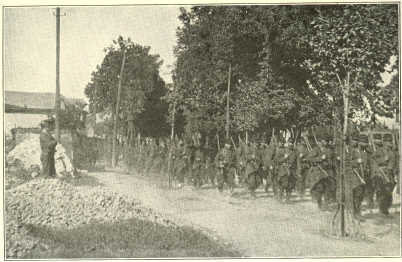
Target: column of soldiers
283, 166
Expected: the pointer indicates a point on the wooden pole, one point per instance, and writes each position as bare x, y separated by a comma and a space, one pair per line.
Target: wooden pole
227, 103
171, 140
116, 117
343, 155
57, 97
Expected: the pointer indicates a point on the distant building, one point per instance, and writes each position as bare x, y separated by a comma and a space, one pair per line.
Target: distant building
28, 109
96, 124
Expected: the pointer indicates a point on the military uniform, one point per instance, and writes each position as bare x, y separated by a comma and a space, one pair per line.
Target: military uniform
180, 162
356, 179
198, 167
383, 180
268, 165
209, 169
48, 148
254, 179
321, 176
302, 168
225, 166
241, 153
286, 179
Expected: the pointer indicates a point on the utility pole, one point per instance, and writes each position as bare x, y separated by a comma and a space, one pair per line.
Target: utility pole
227, 103
172, 138
57, 98
116, 117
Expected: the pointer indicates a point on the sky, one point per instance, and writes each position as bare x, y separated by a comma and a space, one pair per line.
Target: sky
30, 43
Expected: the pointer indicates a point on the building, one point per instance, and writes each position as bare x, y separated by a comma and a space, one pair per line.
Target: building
28, 109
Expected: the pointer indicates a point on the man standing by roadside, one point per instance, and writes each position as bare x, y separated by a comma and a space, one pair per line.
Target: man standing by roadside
48, 148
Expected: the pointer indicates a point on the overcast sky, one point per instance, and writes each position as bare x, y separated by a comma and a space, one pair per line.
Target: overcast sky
30, 43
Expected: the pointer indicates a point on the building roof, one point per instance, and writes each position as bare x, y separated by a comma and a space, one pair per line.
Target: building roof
29, 99
35, 100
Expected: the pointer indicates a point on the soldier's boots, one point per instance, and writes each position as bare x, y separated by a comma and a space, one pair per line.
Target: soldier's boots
325, 189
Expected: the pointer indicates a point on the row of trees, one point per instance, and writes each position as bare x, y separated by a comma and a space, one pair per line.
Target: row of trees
287, 68
291, 66
128, 86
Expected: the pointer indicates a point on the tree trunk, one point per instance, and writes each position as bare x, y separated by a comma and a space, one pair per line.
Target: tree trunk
115, 122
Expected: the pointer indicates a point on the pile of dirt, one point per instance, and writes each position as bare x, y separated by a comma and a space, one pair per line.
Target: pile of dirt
25, 157
26, 154
57, 204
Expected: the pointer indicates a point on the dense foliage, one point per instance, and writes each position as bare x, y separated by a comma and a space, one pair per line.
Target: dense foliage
142, 88
289, 65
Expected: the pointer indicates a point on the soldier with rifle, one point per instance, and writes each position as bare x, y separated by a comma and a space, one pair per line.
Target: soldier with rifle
286, 176
197, 166
252, 171
321, 177
267, 162
225, 167
302, 167
356, 179
381, 180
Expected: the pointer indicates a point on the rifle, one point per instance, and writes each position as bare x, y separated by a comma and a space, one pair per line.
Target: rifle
217, 137
234, 145
307, 143
295, 142
273, 136
315, 139
370, 139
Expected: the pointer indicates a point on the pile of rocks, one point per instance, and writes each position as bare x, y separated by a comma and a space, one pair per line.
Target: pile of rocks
26, 154
25, 157
57, 204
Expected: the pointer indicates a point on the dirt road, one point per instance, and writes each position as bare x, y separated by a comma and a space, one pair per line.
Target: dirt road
259, 227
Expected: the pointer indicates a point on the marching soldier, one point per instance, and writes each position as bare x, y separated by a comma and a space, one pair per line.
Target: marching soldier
382, 180
321, 177
268, 165
302, 168
225, 164
209, 167
241, 153
180, 163
356, 179
252, 171
198, 167
286, 179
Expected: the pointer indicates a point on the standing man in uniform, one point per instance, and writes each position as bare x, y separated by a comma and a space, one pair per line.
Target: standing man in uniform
48, 148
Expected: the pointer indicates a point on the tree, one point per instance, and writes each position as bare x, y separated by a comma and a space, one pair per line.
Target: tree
139, 82
211, 40
351, 46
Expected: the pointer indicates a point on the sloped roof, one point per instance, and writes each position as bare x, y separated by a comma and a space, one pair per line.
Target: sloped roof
29, 99
34, 100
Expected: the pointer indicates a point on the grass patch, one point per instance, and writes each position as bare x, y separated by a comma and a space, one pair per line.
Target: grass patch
133, 238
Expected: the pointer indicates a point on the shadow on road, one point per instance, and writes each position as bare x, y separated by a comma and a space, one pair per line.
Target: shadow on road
83, 180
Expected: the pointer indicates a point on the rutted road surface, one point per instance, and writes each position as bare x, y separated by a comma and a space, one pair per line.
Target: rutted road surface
259, 227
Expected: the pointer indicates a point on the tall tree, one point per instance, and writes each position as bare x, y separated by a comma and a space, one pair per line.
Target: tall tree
139, 83
351, 46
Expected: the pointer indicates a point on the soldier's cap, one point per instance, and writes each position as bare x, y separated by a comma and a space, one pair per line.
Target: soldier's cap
45, 123
378, 142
